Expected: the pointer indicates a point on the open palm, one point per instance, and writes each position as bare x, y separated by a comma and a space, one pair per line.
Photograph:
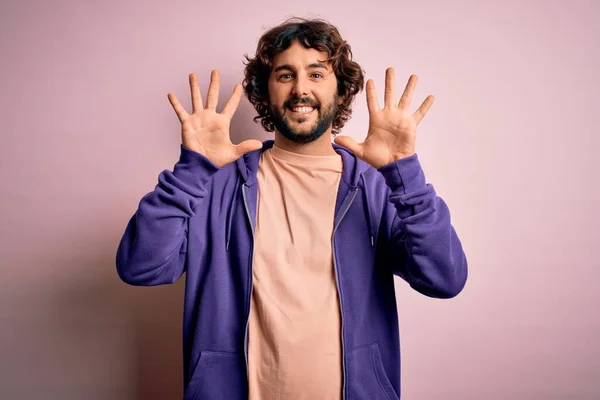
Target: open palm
392, 129
205, 130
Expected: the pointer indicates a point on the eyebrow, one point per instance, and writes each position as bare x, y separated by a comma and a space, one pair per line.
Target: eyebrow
310, 66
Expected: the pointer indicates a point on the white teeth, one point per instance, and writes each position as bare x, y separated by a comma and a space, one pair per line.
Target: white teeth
303, 110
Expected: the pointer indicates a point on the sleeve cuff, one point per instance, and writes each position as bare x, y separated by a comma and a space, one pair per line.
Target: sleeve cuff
405, 174
193, 167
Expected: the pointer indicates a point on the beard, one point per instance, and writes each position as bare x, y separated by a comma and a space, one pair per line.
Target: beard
325, 117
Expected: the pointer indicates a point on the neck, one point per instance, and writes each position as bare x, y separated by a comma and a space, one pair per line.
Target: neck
320, 147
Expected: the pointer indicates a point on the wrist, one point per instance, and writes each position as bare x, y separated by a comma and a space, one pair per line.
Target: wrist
400, 156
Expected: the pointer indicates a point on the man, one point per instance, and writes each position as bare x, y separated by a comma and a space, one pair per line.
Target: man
290, 246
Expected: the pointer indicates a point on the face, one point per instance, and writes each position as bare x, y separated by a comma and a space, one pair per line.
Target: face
303, 94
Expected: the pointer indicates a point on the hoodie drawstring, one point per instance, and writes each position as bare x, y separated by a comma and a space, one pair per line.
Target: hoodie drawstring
232, 208
368, 209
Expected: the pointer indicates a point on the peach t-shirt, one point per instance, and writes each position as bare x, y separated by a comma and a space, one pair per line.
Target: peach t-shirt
294, 333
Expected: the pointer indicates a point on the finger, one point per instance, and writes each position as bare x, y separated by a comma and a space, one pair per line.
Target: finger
212, 98
372, 103
408, 92
420, 113
196, 96
390, 89
179, 110
233, 102
247, 146
350, 144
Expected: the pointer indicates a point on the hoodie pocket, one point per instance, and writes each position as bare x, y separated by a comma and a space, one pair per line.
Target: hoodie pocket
367, 379
218, 375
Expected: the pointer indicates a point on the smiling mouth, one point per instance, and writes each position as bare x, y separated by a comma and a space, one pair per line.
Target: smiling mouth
301, 110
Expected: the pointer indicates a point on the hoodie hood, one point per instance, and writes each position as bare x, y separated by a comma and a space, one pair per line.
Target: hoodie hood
352, 170
352, 176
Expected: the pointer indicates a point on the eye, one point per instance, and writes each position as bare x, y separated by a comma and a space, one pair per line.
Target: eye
284, 77
317, 75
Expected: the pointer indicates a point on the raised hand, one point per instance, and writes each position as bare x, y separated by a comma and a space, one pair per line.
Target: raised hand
205, 130
392, 129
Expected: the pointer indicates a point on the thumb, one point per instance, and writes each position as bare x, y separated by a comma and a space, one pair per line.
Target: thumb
247, 146
350, 144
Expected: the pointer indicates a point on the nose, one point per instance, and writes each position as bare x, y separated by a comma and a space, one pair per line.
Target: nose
300, 88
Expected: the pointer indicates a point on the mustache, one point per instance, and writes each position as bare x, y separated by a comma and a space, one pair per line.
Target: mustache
304, 101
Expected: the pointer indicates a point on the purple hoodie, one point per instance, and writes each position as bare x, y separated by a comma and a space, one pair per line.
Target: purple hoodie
200, 220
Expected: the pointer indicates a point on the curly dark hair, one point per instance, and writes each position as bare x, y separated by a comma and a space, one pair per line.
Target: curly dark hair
317, 34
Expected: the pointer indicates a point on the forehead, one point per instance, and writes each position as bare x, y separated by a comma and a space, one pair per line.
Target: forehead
298, 56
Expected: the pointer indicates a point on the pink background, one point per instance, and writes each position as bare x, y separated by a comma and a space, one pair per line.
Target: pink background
511, 144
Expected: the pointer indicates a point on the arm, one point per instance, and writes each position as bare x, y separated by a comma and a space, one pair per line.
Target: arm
154, 246
428, 253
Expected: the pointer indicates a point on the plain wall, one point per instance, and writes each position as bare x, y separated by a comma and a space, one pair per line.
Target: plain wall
511, 143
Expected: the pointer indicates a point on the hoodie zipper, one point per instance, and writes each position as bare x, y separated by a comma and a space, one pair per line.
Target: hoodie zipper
343, 210
249, 299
